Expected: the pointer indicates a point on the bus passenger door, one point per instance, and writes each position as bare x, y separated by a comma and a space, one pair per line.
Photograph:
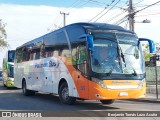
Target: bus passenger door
82, 72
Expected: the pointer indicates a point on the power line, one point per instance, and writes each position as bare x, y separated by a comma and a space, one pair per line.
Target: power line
125, 18
110, 18
132, 14
98, 14
74, 9
138, 2
96, 2
102, 11
108, 10
146, 7
117, 15
72, 5
57, 19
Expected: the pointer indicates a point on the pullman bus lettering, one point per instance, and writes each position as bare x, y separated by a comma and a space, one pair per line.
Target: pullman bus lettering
49, 64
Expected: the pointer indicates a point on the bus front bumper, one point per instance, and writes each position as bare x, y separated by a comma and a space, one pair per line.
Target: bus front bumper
10, 83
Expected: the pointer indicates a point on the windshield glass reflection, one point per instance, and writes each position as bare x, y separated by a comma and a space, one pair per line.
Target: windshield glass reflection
117, 54
105, 57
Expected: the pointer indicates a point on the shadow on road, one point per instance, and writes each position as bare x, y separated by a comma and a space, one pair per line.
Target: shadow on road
13, 99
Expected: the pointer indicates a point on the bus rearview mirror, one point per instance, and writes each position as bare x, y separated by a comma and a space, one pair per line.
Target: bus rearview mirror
89, 41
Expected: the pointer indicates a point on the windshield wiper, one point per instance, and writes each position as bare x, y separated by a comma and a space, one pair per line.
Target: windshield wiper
122, 55
135, 73
109, 73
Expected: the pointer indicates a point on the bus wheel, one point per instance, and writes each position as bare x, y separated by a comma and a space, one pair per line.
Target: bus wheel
25, 91
64, 95
4, 84
107, 101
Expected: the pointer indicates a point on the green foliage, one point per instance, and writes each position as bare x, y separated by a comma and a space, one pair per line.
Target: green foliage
147, 56
3, 35
146, 53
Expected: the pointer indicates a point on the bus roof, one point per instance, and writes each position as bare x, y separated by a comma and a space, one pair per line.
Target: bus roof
84, 25
100, 26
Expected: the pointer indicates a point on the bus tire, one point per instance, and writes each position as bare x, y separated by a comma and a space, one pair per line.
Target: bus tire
64, 95
4, 84
25, 91
107, 102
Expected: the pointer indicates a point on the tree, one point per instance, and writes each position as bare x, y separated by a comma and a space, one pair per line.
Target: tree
3, 35
146, 53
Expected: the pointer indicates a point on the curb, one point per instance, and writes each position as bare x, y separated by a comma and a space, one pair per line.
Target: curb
146, 100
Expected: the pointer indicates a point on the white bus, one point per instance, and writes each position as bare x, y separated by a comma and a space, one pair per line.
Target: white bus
93, 61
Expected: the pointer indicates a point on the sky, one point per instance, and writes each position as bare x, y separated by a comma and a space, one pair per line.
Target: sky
29, 19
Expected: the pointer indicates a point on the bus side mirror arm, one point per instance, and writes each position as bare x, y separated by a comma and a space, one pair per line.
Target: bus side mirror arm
151, 44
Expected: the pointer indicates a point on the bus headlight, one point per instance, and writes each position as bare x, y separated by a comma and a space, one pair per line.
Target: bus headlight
100, 82
10, 79
141, 83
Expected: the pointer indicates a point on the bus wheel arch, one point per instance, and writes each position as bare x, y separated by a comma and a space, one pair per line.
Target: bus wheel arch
63, 92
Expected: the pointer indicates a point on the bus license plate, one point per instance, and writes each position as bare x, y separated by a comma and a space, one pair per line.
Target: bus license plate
123, 94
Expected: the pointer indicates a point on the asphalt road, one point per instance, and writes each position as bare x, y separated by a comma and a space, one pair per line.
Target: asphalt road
13, 100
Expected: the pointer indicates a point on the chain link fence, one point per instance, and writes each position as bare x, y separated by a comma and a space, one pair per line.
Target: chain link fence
153, 80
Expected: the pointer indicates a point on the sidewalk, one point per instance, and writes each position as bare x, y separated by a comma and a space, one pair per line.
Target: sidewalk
151, 98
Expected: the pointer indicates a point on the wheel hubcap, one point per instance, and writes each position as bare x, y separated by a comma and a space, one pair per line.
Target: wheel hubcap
65, 93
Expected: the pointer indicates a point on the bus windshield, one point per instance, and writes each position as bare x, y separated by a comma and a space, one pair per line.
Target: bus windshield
116, 53
105, 57
133, 59
11, 71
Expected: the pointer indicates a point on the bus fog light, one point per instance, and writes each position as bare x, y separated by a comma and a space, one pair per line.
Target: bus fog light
99, 96
100, 82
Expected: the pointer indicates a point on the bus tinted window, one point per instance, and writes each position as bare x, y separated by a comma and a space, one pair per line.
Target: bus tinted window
37, 54
31, 56
19, 55
56, 39
55, 53
25, 55
74, 33
74, 56
49, 52
11, 55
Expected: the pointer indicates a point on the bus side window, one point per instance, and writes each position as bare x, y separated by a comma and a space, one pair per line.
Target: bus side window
49, 52
37, 55
65, 53
19, 55
55, 53
42, 51
25, 55
46, 54
31, 56
74, 56
81, 63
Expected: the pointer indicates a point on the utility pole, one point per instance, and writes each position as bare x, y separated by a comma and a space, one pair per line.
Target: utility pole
131, 15
64, 17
